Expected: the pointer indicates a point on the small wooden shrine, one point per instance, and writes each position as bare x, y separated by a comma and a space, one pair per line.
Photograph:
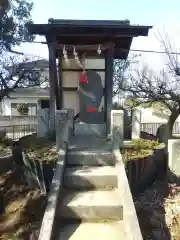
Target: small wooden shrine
85, 51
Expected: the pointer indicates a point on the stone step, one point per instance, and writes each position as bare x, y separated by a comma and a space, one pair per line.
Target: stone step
89, 231
87, 142
89, 177
91, 206
90, 129
90, 158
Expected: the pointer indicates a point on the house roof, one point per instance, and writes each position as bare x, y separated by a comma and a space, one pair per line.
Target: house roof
31, 65
30, 92
91, 32
41, 63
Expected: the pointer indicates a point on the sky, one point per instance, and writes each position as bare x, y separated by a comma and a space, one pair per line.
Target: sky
161, 14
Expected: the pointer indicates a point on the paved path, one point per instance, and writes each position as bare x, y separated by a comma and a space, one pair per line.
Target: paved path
90, 205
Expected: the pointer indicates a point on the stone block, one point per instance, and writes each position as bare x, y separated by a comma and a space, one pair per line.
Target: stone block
62, 129
117, 124
174, 156
136, 123
43, 122
70, 113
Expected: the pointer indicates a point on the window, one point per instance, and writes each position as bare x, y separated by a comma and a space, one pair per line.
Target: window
32, 109
44, 103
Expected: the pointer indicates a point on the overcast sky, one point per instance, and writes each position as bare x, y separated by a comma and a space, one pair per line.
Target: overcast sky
158, 13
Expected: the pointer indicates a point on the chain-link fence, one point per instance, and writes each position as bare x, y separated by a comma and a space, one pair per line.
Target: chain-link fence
152, 128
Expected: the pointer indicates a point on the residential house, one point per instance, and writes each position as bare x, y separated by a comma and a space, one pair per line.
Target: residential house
33, 98
34, 95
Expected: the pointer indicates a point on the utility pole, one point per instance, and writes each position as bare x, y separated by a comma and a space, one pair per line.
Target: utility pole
3, 6
52, 82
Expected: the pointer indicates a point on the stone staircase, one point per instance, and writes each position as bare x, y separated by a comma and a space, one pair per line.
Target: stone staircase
90, 205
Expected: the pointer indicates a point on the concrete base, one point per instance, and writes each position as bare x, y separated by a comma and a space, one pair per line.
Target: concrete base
89, 231
91, 177
92, 206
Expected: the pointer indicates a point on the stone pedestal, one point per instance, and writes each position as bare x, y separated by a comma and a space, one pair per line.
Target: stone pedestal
117, 125
43, 122
136, 123
174, 157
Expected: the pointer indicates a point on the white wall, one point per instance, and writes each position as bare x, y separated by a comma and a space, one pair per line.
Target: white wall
148, 115
71, 79
24, 95
6, 104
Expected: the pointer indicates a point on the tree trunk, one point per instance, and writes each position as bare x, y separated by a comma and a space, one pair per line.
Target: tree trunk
165, 131
170, 123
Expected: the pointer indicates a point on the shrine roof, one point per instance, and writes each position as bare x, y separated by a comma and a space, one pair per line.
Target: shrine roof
91, 32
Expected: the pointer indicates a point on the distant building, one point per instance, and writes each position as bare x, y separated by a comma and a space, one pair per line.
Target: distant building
34, 95
33, 98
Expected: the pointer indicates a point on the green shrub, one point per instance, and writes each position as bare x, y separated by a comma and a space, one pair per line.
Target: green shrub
135, 154
5, 142
144, 144
140, 149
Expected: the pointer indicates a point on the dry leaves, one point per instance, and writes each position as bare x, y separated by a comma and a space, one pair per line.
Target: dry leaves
158, 210
23, 208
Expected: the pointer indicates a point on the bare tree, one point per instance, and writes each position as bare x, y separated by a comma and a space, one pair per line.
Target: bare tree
19, 72
148, 87
121, 72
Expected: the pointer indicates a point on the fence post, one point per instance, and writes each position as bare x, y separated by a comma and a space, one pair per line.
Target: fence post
13, 132
136, 123
173, 158
70, 113
43, 122
62, 129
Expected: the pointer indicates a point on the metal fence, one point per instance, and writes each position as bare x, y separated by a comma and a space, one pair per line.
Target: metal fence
17, 131
152, 128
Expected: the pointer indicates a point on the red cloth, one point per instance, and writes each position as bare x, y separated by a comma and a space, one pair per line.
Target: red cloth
91, 109
83, 78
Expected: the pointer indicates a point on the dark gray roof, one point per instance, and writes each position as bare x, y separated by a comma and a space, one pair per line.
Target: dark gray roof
61, 26
42, 63
91, 32
87, 23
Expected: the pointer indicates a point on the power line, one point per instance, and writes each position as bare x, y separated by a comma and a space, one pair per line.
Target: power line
122, 49
25, 54
131, 50
153, 51
24, 41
